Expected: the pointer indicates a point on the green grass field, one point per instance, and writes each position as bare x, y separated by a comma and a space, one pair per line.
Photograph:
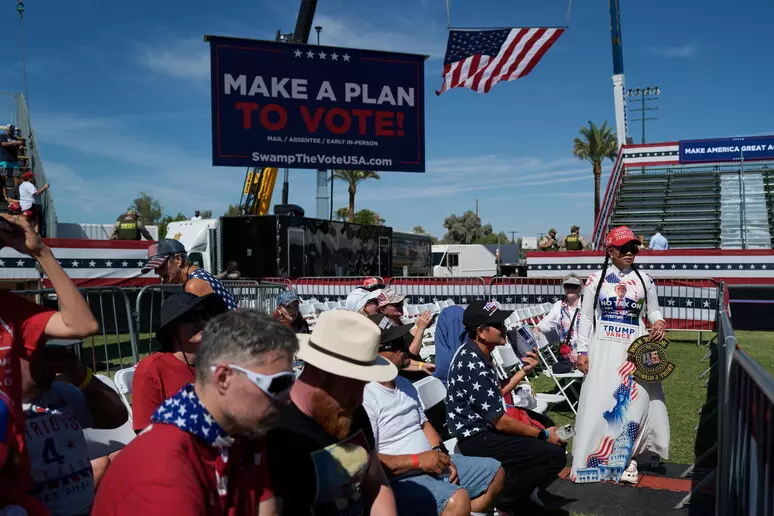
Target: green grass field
685, 391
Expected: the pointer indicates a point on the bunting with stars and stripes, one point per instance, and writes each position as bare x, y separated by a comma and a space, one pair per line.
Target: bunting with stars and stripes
108, 264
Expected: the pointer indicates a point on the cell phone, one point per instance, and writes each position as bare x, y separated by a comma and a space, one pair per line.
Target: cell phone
565, 433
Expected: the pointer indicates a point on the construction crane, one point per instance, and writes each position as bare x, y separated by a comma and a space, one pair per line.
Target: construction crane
257, 192
259, 182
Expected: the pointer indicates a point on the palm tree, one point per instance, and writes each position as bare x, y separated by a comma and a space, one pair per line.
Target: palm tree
354, 178
341, 213
596, 144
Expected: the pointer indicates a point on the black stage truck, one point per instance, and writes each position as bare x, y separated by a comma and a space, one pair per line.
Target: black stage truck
294, 246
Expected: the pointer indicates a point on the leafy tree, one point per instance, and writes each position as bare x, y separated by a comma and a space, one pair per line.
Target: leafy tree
353, 178
492, 238
370, 217
165, 220
419, 230
205, 214
594, 145
233, 209
148, 209
341, 214
465, 229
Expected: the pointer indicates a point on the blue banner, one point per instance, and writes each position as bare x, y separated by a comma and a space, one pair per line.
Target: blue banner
315, 107
727, 149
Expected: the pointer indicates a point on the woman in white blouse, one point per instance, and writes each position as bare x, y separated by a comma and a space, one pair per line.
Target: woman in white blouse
564, 318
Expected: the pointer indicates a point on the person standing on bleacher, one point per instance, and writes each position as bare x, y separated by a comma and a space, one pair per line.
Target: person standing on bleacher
658, 242
10, 145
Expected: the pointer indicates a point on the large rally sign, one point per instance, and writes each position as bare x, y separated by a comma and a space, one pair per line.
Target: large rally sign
301, 106
727, 149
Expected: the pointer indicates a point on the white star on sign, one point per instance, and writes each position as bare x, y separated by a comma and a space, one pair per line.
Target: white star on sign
671, 302
464, 300
508, 299
346, 57
421, 299
75, 263
297, 53
322, 55
124, 263
706, 304
140, 263
310, 54
109, 263
688, 302
706, 266
335, 56
685, 266
2, 263
92, 263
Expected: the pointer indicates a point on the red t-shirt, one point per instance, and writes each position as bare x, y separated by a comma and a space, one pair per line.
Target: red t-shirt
166, 470
157, 377
22, 324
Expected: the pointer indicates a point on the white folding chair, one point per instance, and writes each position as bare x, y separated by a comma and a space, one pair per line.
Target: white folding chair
431, 392
450, 302
565, 382
123, 381
412, 311
522, 314
442, 304
547, 307
332, 304
104, 442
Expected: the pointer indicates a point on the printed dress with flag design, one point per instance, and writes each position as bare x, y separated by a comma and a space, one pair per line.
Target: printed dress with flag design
479, 59
618, 417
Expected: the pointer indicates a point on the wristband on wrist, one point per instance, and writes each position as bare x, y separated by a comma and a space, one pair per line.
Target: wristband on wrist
421, 366
415, 461
86, 381
441, 448
543, 435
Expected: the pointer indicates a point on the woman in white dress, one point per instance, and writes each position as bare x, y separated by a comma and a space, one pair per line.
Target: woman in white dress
619, 418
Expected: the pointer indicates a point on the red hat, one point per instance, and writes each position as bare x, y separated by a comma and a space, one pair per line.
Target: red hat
28, 175
620, 236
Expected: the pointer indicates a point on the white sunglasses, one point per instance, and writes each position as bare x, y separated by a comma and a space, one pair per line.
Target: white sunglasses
276, 386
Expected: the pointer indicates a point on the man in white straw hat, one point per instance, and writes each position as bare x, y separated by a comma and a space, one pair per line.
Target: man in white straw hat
322, 457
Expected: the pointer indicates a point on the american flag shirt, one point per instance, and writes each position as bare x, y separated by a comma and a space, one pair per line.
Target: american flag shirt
216, 286
473, 397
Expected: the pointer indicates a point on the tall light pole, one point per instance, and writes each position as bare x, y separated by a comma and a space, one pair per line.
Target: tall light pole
513, 236
644, 95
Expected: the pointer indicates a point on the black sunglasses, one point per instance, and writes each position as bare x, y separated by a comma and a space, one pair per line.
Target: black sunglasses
631, 247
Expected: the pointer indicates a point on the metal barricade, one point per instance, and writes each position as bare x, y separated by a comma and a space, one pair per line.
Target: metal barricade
148, 314
690, 304
428, 290
515, 293
746, 470
329, 288
115, 346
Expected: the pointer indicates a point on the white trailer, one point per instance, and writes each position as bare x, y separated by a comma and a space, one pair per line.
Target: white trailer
459, 260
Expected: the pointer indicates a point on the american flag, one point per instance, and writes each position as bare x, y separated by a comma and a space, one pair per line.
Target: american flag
603, 452
480, 59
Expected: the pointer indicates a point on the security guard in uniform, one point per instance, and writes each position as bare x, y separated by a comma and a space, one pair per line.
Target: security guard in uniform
548, 242
129, 228
573, 241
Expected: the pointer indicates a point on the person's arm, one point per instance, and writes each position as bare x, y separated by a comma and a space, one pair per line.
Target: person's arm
423, 322
74, 319
511, 426
379, 499
144, 231
528, 363
656, 318
146, 398
417, 366
586, 322
41, 189
198, 287
551, 321
114, 234
103, 406
268, 507
563, 243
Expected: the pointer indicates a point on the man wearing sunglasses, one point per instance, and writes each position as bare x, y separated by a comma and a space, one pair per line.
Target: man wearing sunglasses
425, 478
202, 455
162, 374
532, 457
391, 305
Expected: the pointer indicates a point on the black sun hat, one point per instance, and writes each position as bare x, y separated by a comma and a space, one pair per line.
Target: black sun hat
391, 332
178, 305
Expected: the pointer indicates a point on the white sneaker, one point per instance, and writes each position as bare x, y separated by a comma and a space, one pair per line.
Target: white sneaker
630, 474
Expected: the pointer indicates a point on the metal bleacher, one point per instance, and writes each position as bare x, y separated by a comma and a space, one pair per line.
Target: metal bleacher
686, 204
768, 188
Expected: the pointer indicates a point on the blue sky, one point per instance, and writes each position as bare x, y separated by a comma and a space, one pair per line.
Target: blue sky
120, 99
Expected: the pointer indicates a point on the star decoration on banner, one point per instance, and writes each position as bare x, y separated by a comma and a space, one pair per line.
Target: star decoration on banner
297, 53
310, 54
